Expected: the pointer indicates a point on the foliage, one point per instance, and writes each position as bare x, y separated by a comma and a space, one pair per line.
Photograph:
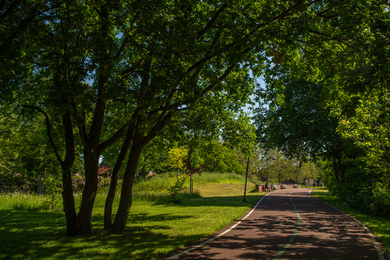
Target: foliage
240, 133
17, 183
176, 189
53, 185
380, 202
329, 101
220, 157
295, 119
175, 158
368, 127
192, 166
24, 144
100, 72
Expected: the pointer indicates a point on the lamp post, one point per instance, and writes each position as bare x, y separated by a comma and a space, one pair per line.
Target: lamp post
246, 179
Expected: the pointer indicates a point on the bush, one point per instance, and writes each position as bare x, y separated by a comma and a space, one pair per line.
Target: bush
15, 182
380, 200
53, 184
176, 189
78, 183
372, 198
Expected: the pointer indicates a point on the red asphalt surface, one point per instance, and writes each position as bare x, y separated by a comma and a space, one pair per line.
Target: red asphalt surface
288, 224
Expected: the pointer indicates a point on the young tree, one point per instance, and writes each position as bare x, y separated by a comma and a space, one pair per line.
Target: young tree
176, 156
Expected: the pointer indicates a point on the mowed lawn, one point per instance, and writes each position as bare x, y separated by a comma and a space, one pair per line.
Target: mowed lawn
154, 229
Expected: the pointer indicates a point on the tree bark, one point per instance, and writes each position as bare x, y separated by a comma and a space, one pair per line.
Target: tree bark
138, 143
66, 166
126, 199
91, 141
114, 179
83, 224
68, 202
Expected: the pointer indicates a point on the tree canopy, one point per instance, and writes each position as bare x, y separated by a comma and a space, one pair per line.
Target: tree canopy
327, 98
101, 72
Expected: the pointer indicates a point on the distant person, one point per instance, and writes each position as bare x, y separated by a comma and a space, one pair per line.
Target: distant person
266, 186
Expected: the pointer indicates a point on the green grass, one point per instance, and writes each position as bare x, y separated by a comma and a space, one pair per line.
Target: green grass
380, 227
154, 229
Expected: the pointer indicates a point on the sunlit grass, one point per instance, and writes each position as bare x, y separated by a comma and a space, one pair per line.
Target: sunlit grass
154, 228
379, 226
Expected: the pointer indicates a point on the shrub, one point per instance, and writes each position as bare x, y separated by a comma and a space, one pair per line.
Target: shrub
176, 189
15, 182
103, 182
53, 185
380, 200
78, 183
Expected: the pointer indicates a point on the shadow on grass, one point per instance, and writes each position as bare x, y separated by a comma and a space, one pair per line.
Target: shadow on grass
41, 235
212, 201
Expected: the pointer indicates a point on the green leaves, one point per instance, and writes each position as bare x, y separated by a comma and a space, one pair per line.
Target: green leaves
369, 126
176, 156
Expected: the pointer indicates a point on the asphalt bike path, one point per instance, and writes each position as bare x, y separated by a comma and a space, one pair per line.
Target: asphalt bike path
288, 224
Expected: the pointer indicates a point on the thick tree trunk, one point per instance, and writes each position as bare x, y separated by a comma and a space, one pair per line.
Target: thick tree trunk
83, 224
68, 202
66, 166
126, 199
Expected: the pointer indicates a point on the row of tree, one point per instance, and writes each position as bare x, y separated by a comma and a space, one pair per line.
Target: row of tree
108, 77
329, 100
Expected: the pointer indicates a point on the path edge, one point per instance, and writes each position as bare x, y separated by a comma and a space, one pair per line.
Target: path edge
377, 245
217, 234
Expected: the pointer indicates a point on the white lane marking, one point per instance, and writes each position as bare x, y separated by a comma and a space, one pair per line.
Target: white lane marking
219, 235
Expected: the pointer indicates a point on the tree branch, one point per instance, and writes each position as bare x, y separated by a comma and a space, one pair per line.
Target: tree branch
120, 133
48, 131
213, 19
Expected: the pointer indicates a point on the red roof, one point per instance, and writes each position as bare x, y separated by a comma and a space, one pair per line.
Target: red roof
104, 171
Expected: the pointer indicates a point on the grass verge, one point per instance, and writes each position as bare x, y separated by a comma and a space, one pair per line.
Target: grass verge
153, 229
379, 226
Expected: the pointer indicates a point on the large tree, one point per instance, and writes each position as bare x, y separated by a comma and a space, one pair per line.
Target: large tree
103, 71
334, 88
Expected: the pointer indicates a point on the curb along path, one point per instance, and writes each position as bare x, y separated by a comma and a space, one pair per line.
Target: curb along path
288, 224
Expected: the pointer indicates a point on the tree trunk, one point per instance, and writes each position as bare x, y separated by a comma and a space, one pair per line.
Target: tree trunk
110, 200
115, 174
66, 166
83, 224
113, 184
138, 143
68, 202
126, 199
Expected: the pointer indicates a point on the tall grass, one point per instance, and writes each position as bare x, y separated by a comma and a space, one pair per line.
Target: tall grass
156, 188
210, 177
29, 202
